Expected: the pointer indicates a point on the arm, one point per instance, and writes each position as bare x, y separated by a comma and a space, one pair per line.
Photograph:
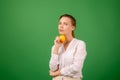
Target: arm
53, 64
54, 55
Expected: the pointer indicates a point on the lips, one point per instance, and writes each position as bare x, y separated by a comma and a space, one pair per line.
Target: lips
61, 30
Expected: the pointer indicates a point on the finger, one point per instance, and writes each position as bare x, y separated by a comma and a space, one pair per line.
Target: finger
57, 39
50, 73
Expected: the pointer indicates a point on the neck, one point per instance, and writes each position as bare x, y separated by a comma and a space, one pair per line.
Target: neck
69, 38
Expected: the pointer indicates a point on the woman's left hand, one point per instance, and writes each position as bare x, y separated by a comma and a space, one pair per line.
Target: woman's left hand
54, 73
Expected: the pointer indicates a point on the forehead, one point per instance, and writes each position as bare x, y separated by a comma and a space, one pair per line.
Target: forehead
65, 19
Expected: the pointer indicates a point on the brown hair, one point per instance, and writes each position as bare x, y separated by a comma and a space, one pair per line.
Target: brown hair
73, 21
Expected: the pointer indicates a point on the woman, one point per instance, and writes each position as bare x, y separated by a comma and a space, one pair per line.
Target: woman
67, 58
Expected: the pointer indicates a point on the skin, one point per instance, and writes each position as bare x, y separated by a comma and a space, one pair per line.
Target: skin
64, 27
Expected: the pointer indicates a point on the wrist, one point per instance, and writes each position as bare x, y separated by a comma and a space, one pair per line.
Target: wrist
56, 50
58, 72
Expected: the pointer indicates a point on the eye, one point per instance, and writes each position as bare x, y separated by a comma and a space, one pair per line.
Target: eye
65, 24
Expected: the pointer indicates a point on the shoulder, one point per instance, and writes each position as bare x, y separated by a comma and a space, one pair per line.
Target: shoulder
79, 42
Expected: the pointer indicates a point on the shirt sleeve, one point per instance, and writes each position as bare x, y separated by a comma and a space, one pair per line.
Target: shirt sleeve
78, 61
53, 64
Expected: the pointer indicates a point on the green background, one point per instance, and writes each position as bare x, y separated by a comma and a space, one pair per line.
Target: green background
28, 28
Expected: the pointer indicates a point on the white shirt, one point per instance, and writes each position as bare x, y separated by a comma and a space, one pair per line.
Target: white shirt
69, 61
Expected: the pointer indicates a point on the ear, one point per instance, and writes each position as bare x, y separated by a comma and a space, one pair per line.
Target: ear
73, 27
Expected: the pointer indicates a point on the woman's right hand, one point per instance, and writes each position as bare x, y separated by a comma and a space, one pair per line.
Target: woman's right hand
57, 44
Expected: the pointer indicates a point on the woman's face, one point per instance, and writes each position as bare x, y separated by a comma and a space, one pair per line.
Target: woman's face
65, 26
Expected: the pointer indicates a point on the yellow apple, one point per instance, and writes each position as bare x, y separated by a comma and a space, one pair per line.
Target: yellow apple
62, 38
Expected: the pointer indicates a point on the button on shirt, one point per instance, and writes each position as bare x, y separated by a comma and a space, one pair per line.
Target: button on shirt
69, 61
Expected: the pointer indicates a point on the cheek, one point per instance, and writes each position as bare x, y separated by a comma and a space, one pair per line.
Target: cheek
69, 28
66, 28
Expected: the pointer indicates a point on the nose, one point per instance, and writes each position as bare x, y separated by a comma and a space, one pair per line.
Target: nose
60, 26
